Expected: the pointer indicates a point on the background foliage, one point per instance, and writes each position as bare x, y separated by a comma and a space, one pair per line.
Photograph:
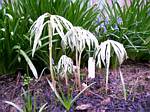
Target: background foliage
18, 16
129, 24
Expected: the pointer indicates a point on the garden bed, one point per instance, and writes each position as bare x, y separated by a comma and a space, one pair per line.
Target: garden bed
137, 80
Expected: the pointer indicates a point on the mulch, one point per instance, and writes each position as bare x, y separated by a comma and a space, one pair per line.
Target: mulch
95, 99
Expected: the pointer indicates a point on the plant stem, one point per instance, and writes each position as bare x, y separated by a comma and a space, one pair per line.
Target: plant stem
78, 57
50, 53
123, 84
66, 79
80, 54
107, 74
76, 70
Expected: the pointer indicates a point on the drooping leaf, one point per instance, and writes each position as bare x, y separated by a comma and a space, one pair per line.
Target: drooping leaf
65, 65
56, 23
14, 105
103, 53
105, 48
33, 69
79, 38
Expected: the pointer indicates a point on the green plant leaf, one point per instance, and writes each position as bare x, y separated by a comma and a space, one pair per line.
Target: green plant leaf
33, 69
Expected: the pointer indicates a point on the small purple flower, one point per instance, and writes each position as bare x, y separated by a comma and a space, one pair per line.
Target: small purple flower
98, 20
93, 2
119, 20
106, 21
116, 27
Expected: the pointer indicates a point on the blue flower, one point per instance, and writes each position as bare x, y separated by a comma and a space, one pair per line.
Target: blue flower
116, 27
119, 20
98, 20
106, 21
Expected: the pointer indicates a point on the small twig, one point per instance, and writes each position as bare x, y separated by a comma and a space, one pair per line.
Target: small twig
18, 79
96, 94
132, 88
40, 76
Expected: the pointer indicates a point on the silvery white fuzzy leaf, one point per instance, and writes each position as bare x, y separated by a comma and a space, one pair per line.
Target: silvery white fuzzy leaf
65, 22
103, 53
119, 50
56, 23
104, 50
36, 31
108, 54
60, 23
78, 38
65, 64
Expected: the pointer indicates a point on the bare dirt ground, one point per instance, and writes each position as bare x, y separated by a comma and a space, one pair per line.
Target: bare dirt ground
137, 80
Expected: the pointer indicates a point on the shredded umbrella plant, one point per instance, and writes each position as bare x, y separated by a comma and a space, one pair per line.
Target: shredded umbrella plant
55, 26
78, 39
65, 66
104, 53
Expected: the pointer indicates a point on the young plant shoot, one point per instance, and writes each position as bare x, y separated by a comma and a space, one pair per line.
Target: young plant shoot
65, 65
67, 102
103, 53
55, 26
77, 39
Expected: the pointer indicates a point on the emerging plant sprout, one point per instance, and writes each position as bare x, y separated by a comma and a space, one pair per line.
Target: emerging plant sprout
65, 65
77, 39
103, 53
56, 25
23, 110
67, 102
29, 104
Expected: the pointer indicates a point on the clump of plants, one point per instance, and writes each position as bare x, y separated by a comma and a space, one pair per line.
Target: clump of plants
16, 19
78, 39
29, 101
29, 104
128, 24
55, 26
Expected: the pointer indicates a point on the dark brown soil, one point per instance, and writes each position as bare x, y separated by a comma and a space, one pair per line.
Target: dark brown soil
137, 80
